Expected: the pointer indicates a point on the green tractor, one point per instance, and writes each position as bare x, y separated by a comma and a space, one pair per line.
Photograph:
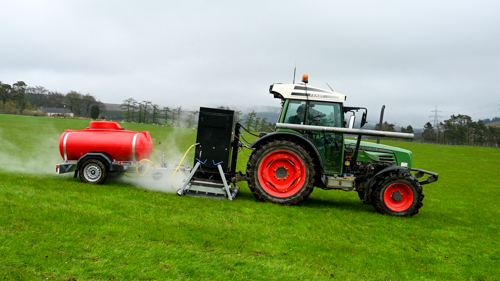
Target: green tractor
309, 149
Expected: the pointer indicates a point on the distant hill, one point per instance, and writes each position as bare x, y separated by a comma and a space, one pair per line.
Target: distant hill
113, 107
494, 124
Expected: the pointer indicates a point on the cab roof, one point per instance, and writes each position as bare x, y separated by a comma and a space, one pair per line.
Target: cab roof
301, 91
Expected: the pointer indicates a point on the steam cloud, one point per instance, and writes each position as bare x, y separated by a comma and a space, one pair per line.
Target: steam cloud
31, 159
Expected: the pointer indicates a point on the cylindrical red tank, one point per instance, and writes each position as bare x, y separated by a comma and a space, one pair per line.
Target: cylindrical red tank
108, 137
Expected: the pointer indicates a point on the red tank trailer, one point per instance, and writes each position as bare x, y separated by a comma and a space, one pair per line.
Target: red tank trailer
101, 149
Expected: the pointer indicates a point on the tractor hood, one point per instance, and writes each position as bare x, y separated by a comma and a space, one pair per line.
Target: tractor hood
382, 152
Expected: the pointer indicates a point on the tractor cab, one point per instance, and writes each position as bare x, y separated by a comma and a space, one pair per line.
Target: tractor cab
304, 105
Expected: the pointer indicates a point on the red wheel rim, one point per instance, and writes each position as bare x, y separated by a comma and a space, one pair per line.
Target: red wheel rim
398, 197
282, 173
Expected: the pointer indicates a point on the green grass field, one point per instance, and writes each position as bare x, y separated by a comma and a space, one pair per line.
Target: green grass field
57, 228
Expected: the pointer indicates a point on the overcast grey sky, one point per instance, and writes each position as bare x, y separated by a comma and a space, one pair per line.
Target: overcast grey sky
409, 55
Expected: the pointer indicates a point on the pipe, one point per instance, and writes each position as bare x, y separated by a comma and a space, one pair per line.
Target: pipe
358, 132
381, 120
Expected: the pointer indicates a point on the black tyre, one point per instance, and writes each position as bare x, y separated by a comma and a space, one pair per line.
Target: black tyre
398, 195
281, 172
361, 195
93, 171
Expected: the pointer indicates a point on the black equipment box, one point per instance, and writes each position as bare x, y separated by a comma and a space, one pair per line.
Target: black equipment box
216, 133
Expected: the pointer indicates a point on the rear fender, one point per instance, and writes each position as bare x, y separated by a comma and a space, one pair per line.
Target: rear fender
101, 156
300, 140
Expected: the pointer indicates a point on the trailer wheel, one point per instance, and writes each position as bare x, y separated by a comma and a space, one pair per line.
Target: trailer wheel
93, 171
398, 195
281, 172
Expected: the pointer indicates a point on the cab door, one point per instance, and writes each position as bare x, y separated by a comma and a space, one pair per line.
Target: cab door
330, 145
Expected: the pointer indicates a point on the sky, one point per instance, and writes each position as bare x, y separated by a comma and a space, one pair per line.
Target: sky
411, 56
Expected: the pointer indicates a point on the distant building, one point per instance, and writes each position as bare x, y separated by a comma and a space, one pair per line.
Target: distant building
58, 112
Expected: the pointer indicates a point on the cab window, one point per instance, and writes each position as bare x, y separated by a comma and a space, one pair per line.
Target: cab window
295, 113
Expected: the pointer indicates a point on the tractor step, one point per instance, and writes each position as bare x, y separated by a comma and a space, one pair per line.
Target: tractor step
343, 183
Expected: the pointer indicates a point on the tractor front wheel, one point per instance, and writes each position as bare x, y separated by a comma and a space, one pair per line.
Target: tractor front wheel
281, 172
93, 171
398, 195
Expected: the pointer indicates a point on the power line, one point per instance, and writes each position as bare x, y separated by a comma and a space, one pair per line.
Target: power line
436, 116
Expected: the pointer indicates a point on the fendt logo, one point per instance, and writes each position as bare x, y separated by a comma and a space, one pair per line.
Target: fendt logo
316, 95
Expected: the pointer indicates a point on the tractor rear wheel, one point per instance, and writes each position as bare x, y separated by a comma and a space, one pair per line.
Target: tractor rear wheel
93, 171
398, 195
281, 172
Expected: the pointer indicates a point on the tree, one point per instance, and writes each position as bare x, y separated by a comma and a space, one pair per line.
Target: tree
155, 114
191, 118
133, 109
238, 114
74, 102
37, 96
128, 106
428, 135
257, 123
458, 129
55, 100
386, 127
166, 111
480, 131
263, 124
5, 91
249, 121
18, 92
178, 117
145, 110
94, 112
88, 101
140, 113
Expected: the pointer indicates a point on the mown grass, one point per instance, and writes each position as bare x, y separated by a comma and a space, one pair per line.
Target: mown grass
55, 227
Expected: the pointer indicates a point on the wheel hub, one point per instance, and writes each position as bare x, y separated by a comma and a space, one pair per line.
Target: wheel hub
281, 172
92, 173
397, 196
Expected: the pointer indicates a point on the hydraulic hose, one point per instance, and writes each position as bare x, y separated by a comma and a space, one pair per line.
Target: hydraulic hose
137, 169
177, 169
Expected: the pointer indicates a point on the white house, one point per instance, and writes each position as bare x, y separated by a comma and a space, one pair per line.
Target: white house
58, 112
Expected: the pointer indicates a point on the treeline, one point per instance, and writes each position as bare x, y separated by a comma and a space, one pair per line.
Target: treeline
488, 120
458, 130
461, 130
19, 98
148, 112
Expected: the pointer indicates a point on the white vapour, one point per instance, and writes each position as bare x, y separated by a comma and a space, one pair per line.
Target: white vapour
165, 182
39, 158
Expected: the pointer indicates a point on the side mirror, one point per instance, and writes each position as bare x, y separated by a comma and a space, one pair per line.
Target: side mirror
351, 121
